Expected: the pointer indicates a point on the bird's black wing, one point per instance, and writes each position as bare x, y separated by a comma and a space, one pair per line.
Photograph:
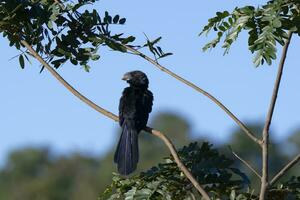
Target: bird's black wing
134, 108
148, 101
126, 154
143, 108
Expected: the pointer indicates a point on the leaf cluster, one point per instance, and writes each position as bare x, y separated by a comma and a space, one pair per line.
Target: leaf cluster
63, 32
155, 49
212, 170
266, 25
287, 190
165, 181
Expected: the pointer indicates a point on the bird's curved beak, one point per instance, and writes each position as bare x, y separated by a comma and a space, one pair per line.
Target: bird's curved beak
126, 77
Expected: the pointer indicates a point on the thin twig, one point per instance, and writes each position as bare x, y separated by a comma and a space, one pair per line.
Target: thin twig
283, 171
190, 84
112, 116
265, 145
246, 163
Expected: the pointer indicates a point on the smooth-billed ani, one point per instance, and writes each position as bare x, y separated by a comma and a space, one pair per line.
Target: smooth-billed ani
134, 108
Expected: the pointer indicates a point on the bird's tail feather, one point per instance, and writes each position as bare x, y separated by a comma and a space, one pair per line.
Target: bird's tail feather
127, 154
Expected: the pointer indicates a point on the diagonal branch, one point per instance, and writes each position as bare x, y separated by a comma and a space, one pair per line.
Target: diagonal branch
190, 84
277, 84
181, 166
265, 160
283, 171
112, 116
245, 163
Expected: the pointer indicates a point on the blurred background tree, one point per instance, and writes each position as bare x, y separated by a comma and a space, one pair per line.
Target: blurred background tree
39, 174
250, 152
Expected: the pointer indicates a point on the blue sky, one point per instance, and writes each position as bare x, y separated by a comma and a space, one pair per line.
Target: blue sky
37, 110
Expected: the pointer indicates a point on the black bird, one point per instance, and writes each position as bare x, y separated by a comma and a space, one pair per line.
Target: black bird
134, 108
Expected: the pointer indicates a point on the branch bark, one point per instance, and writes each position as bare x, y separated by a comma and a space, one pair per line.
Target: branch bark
265, 144
198, 89
283, 171
114, 117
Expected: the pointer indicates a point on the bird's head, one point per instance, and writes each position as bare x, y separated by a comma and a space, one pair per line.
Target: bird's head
136, 79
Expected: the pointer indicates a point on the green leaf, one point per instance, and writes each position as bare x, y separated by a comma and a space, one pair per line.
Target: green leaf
222, 28
165, 55
50, 25
230, 20
128, 40
115, 46
226, 25
277, 23
116, 19
267, 59
107, 18
258, 58
86, 68
73, 61
95, 57
42, 69
21, 61
122, 21
156, 40
57, 63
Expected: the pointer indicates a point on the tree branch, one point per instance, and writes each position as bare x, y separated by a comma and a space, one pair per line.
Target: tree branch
246, 163
283, 171
112, 116
190, 84
265, 145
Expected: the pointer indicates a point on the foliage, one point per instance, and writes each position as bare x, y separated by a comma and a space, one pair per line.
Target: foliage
64, 33
266, 26
286, 190
166, 181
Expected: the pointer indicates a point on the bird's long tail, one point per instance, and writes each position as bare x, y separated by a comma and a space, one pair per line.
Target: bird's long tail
127, 153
